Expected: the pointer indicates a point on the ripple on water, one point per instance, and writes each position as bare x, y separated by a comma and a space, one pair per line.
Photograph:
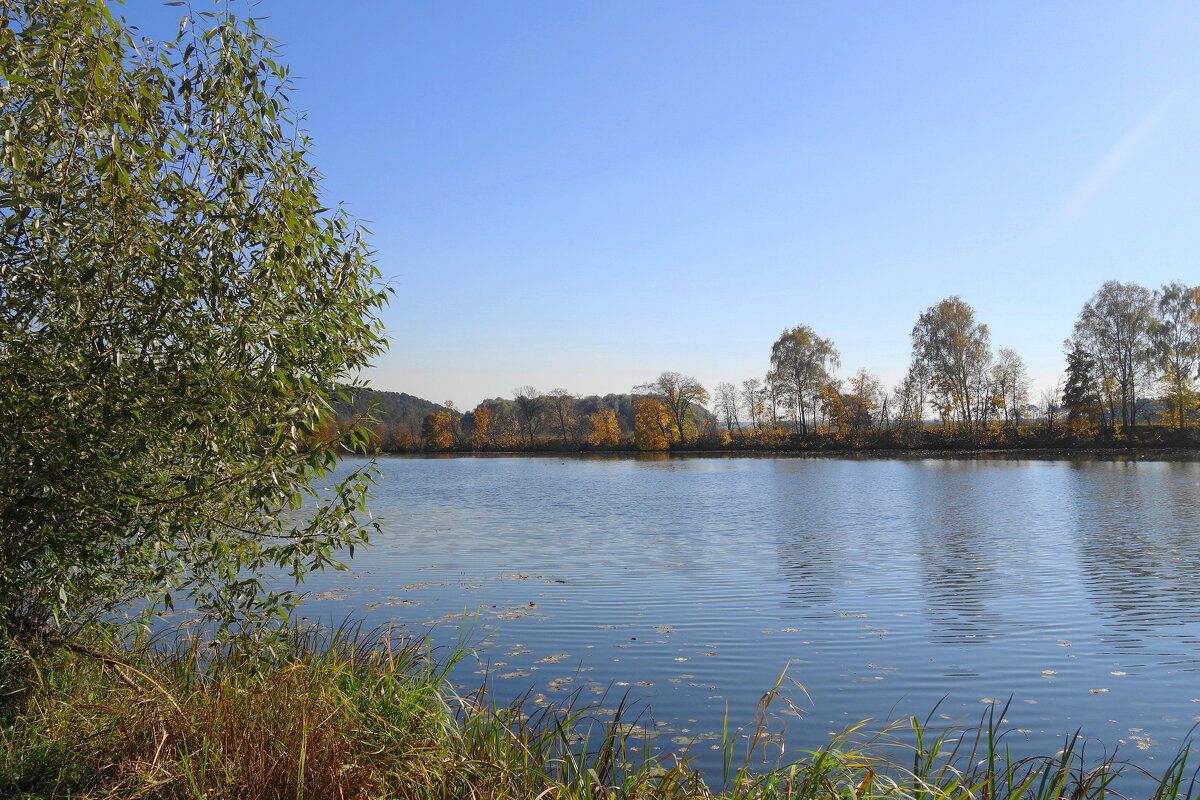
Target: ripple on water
1064, 589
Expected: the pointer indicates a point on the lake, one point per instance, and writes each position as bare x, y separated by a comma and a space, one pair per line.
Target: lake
884, 587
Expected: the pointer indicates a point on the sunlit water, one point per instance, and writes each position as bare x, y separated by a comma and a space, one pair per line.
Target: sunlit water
883, 587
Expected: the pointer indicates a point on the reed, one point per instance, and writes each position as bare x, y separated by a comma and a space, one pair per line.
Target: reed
345, 714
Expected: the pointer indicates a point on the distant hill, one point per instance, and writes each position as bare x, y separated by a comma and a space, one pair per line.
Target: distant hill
622, 404
403, 416
391, 408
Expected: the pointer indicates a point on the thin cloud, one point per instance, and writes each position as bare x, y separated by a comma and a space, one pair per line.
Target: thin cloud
1111, 164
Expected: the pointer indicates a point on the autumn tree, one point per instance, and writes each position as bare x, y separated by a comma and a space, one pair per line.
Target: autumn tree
1114, 330
177, 306
801, 362
439, 430
652, 424
678, 393
836, 411
482, 435
455, 424
505, 428
864, 398
402, 439
1175, 343
953, 351
850, 413
603, 428
530, 404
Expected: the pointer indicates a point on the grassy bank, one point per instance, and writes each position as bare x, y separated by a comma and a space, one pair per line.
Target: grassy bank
347, 716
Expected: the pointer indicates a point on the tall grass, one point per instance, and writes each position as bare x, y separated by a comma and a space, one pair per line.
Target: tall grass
348, 715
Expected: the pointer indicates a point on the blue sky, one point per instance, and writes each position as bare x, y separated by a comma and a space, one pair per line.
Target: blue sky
586, 194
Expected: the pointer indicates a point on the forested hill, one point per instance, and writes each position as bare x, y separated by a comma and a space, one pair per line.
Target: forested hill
582, 407
390, 408
399, 408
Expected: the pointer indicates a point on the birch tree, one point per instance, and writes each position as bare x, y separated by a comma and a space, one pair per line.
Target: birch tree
953, 349
1114, 330
1175, 342
802, 362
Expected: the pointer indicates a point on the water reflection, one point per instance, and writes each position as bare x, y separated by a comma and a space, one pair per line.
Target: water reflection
811, 536
968, 550
1137, 532
887, 585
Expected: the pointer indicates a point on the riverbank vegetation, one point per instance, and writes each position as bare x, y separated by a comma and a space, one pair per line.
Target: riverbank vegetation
346, 716
1132, 363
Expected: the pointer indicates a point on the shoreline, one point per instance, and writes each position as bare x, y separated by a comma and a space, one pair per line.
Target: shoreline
882, 453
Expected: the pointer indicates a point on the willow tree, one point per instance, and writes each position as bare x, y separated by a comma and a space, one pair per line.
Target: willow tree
176, 305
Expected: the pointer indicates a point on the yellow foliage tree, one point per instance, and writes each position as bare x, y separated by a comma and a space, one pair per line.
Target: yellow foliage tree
1179, 399
651, 424
439, 431
603, 429
483, 427
834, 406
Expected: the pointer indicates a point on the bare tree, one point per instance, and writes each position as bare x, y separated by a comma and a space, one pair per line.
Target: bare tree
561, 403
1011, 384
910, 398
754, 403
1050, 398
774, 392
727, 407
529, 405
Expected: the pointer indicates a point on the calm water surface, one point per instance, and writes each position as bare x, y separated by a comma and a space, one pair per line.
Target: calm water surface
883, 587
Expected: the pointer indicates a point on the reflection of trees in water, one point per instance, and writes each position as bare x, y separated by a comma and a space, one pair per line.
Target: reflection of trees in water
812, 572
811, 528
988, 548
868, 534
959, 520
1137, 528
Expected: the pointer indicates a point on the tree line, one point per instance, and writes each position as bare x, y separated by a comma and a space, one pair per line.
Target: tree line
1130, 378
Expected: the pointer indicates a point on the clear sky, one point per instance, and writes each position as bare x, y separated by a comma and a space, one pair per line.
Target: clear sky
586, 194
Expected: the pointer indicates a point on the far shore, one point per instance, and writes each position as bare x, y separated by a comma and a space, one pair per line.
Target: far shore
1153, 453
